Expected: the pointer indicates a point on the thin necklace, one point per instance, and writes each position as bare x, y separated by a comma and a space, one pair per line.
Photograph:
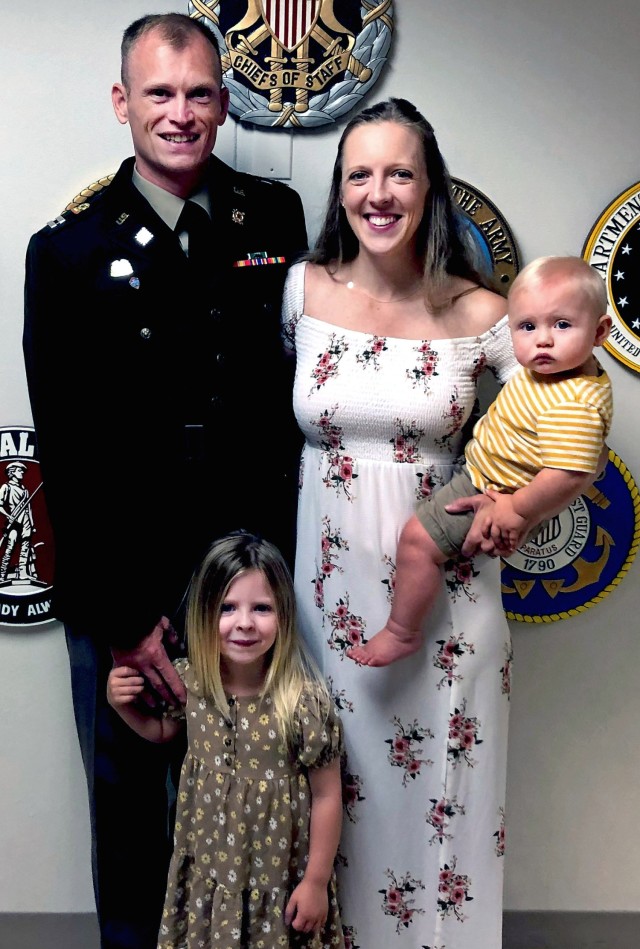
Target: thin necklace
350, 285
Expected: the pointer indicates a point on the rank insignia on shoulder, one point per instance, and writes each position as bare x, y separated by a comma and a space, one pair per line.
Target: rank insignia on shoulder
56, 222
237, 216
259, 259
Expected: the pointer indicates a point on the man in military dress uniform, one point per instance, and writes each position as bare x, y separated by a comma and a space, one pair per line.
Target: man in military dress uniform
153, 354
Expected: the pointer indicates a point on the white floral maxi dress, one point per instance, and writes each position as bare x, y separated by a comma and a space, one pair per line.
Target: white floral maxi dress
421, 858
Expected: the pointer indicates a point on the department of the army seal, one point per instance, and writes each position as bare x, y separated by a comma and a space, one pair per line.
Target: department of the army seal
26, 542
298, 63
613, 249
577, 558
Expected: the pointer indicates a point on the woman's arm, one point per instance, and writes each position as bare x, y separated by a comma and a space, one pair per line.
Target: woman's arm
308, 907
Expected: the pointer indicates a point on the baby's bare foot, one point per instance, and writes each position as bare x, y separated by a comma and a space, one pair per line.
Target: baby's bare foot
383, 649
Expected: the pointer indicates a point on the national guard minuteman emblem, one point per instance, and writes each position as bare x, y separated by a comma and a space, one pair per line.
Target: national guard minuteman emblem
297, 63
26, 542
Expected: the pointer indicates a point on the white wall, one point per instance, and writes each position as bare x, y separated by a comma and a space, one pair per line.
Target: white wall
536, 105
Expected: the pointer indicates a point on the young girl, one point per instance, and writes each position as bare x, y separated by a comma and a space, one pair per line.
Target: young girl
259, 806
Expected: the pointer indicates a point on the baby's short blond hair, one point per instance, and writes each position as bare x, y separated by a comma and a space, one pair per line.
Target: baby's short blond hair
577, 269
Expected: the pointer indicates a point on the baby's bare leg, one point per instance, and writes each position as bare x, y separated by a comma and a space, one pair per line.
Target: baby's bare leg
417, 584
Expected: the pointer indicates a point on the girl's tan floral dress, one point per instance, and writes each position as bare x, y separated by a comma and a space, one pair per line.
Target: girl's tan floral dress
242, 826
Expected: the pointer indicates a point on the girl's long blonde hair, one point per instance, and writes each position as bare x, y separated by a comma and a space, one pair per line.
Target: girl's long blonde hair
291, 670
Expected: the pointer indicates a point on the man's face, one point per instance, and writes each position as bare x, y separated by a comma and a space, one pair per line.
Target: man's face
174, 103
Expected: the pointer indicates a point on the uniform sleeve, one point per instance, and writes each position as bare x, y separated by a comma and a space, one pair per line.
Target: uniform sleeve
86, 502
319, 732
292, 305
498, 351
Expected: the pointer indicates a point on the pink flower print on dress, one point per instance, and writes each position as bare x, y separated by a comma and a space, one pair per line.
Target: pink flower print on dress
428, 481
440, 817
288, 331
447, 658
347, 629
351, 795
500, 834
453, 891
318, 596
398, 899
370, 355
350, 935
425, 366
505, 671
479, 367
463, 736
331, 544
403, 752
458, 575
340, 474
327, 366
330, 435
390, 580
406, 442
339, 697
455, 417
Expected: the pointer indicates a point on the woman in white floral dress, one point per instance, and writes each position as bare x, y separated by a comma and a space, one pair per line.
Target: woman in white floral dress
392, 326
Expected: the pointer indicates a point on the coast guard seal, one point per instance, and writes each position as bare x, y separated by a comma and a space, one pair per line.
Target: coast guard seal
26, 542
298, 63
579, 557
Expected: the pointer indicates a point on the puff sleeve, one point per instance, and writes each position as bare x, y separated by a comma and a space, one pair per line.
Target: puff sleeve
498, 350
292, 305
178, 712
319, 732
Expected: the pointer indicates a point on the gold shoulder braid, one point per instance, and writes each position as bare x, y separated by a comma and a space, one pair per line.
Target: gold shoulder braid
81, 201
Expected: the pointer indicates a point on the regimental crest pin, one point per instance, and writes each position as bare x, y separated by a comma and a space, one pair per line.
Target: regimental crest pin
298, 63
26, 541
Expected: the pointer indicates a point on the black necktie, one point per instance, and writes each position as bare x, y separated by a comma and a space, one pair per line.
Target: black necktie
197, 223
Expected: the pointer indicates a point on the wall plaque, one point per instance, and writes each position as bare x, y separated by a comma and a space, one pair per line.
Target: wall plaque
580, 556
613, 249
293, 64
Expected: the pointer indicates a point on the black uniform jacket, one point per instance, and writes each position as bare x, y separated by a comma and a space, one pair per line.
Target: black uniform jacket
161, 396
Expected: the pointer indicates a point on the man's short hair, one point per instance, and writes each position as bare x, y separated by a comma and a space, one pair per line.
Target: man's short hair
177, 29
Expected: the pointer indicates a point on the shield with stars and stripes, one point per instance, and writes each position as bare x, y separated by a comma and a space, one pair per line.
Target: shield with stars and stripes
291, 21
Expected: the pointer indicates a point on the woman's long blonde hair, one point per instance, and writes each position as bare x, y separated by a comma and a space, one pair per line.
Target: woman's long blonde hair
291, 670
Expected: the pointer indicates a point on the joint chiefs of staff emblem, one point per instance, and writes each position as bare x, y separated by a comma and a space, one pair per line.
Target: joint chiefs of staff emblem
579, 557
26, 540
298, 63
613, 249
